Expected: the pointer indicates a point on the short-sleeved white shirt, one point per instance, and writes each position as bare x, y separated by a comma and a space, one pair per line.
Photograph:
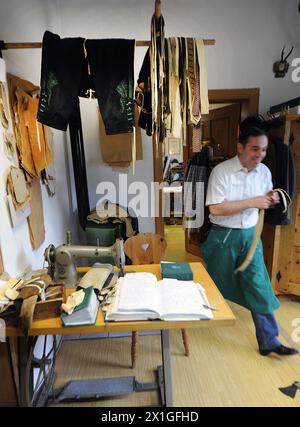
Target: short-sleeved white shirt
230, 181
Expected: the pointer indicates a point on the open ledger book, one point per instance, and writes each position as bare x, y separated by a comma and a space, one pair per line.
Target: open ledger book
139, 296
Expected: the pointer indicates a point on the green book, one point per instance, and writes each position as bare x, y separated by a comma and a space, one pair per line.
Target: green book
176, 270
85, 313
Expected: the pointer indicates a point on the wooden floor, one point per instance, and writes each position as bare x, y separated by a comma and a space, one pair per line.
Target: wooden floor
223, 369
174, 235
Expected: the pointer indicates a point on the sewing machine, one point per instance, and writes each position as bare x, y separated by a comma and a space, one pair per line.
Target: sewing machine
62, 259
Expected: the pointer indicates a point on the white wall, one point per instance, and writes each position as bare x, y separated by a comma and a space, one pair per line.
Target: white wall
26, 21
249, 38
249, 35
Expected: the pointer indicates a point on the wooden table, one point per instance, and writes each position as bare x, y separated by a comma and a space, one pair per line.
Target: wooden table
223, 316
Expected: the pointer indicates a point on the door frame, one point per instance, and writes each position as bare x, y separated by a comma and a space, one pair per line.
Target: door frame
249, 101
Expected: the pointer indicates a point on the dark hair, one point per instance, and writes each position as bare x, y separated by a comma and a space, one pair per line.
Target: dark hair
251, 122
250, 132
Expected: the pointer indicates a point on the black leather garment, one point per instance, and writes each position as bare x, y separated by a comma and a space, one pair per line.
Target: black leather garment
62, 65
112, 70
280, 161
73, 67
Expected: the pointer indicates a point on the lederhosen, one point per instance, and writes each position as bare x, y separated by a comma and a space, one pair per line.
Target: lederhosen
73, 67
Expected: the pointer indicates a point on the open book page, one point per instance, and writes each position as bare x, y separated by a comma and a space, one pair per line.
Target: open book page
112, 312
182, 300
140, 297
139, 292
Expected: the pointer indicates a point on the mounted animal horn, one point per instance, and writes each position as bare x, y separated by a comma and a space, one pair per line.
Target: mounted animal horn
280, 68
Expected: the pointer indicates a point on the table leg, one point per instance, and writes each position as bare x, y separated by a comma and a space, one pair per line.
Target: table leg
167, 370
24, 384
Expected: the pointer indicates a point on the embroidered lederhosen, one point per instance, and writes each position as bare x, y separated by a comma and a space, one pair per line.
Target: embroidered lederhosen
62, 65
111, 64
65, 76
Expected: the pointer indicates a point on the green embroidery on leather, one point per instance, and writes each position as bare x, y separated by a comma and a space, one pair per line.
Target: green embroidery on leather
47, 87
124, 89
51, 83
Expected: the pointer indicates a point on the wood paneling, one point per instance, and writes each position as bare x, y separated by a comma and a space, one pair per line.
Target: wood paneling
282, 243
248, 98
294, 276
297, 222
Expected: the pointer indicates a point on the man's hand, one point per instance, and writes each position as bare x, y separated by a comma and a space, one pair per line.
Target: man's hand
262, 202
274, 197
265, 202
233, 208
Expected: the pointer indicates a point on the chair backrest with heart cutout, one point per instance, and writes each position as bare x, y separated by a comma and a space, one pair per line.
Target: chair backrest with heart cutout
145, 248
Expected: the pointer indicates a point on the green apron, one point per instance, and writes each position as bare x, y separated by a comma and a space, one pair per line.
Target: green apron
224, 251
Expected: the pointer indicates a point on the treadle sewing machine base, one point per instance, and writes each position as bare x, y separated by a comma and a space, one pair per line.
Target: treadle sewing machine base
31, 395
93, 389
107, 387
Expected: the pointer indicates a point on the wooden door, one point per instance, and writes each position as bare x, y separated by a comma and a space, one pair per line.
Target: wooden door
285, 247
221, 129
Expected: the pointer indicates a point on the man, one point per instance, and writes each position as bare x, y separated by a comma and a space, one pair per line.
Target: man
237, 189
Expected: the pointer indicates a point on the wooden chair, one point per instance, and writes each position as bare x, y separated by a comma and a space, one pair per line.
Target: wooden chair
147, 248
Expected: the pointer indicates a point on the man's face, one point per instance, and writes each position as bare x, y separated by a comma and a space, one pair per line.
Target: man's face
253, 153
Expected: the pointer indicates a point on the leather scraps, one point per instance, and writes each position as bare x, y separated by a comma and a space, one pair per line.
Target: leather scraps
48, 175
1, 263
96, 277
19, 296
2, 70
32, 143
4, 110
291, 391
116, 150
16, 187
110, 212
26, 314
13, 83
23, 143
35, 154
36, 218
41, 154
5, 117
73, 301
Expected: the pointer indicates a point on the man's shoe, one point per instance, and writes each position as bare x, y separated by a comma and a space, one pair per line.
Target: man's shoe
282, 350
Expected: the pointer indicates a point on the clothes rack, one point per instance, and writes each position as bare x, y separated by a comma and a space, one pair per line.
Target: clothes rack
138, 43
33, 45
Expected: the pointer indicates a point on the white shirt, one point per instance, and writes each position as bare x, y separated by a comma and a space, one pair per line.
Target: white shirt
230, 181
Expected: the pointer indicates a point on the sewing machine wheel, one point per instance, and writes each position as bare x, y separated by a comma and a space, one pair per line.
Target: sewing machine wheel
40, 371
49, 257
